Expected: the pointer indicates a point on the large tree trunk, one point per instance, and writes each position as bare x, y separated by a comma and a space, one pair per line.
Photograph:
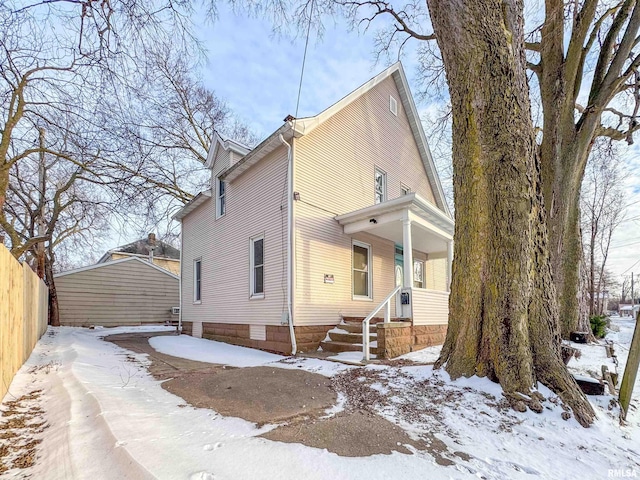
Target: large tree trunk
503, 320
563, 153
562, 168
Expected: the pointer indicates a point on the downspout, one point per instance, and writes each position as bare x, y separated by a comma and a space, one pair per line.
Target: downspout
180, 283
292, 333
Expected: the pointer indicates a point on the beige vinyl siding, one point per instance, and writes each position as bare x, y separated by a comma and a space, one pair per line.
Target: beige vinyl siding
322, 248
430, 307
334, 174
121, 293
253, 208
435, 272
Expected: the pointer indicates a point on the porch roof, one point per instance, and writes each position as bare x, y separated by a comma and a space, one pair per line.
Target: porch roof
434, 227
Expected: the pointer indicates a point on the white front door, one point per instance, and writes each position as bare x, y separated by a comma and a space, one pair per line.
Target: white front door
399, 277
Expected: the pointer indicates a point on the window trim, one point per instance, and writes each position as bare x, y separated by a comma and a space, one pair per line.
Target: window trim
413, 273
219, 213
369, 297
196, 291
375, 186
393, 105
252, 267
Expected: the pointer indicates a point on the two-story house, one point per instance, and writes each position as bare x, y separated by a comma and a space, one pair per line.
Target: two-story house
320, 223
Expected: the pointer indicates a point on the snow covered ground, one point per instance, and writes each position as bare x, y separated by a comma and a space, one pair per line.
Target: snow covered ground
109, 418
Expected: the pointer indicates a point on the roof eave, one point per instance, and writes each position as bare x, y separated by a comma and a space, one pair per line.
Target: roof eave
267, 146
195, 202
115, 262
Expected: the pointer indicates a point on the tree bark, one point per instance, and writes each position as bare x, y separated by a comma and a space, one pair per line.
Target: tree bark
54, 311
562, 174
503, 321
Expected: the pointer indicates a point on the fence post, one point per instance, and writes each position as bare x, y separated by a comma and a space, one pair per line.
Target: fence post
630, 371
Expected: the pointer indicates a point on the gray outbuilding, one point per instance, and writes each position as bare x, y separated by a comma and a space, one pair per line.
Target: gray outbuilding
129, 291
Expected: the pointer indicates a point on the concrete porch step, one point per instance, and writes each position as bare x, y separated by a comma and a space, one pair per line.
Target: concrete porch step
349, 337
356, 327
338, 347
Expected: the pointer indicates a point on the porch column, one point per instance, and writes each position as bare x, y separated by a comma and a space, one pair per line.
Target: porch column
407, 253
449, 264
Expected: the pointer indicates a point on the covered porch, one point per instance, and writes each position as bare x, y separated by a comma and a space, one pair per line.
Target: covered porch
423, 236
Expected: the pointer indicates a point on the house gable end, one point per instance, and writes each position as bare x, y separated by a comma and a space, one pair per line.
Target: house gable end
338, 159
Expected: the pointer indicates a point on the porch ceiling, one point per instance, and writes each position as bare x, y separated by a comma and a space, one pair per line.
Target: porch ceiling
422, 239
431, 229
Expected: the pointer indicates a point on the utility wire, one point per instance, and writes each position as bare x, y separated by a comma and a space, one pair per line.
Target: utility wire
630, 267
304, 60
295, 119
625, 245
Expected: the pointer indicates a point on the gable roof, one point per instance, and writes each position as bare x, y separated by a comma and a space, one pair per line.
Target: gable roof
115, 262
142, 247
222, 142
304, 126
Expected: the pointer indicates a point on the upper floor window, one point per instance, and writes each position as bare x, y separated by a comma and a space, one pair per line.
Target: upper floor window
221, 195
381, 186
256, 256
197, 281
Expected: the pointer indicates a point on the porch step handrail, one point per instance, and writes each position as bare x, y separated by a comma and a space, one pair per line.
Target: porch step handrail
387, 318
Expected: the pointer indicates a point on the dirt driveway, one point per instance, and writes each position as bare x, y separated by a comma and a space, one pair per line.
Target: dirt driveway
271, 395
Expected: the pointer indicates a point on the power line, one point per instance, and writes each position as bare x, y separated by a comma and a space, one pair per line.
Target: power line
304, 59
630, 267
625, 245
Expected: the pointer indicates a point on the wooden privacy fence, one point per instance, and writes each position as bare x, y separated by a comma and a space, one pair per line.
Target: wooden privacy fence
24, 300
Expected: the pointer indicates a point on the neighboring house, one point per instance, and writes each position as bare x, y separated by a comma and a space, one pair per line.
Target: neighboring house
628, 310
318, 224
162, 254
128, 291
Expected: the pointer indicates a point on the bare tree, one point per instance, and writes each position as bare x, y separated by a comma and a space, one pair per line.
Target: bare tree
625, 289
602, 210
70, 159
163, 131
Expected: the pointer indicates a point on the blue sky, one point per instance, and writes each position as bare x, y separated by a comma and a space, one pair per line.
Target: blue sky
258, 74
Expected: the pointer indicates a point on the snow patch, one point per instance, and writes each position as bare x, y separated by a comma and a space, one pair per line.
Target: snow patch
210, 351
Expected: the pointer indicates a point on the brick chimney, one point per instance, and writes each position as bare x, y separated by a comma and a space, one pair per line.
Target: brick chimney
151, 240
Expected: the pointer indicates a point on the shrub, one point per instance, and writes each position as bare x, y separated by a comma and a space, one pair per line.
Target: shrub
598, 325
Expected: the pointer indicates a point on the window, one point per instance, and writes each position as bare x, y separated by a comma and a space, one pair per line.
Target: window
393, 105
381, 186
418, 274
221, 189
404, 190
361, 270
197, 281
257, 267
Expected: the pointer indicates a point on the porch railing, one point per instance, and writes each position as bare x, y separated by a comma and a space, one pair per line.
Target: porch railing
365, 323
